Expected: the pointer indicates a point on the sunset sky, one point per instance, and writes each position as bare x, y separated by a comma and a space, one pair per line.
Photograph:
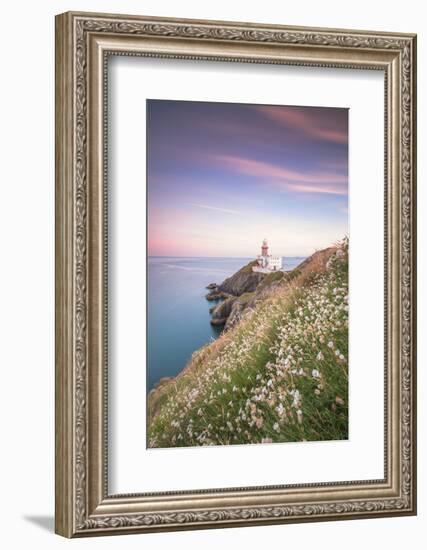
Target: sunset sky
221, 177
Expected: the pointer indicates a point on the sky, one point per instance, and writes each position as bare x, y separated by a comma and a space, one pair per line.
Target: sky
223, 176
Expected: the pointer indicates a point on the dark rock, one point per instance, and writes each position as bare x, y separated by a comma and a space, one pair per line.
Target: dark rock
219, 322
239, 306
216, 295
235, 315
212, 286
223, 310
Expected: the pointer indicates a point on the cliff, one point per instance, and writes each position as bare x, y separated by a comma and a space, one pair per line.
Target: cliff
245, 280
241, 291
233, 294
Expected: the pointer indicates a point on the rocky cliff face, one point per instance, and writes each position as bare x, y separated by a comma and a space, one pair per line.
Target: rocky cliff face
245, 280
221, 312
240, 292
240, 305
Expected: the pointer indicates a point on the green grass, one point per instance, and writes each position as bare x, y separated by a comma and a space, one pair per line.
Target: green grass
245, 297
272, 277
248, 268
281, 374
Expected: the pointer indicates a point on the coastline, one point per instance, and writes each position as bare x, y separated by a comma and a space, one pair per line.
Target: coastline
178, 312
202, 370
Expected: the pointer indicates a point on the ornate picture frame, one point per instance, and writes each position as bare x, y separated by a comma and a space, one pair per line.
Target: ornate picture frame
84, 42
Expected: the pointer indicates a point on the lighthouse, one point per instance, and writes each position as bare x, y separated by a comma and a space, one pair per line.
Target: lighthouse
264, 248
267, 262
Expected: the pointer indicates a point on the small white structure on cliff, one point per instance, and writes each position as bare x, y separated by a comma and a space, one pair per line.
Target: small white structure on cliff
267, 262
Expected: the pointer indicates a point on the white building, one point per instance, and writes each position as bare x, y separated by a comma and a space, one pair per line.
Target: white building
275, 263
266, 261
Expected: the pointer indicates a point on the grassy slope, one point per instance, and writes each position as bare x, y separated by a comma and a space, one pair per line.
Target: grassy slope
280, 374
273, 277
247, 269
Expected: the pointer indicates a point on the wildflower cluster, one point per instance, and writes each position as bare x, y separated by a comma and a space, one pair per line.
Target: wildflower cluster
281, 374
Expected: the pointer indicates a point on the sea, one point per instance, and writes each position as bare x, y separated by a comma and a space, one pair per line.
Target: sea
178, 318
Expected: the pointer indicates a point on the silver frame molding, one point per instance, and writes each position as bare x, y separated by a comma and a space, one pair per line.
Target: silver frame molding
83, 43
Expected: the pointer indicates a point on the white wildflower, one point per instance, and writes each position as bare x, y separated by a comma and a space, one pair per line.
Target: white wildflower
297, 398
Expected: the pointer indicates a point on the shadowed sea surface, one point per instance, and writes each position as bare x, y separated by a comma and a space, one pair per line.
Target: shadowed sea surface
178, 320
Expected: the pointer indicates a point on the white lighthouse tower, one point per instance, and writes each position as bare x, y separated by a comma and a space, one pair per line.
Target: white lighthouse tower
266, 261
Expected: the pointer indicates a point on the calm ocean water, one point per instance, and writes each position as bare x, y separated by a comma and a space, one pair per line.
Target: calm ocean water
178, 313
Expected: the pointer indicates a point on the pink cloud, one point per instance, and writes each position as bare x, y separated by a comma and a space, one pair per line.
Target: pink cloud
303, 182
214, 208
311, 122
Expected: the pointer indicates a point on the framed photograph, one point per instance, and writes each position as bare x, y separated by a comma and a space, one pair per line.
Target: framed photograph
235, 274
